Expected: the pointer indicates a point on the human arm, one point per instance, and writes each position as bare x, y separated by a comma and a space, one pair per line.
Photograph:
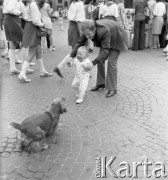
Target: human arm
49, 10
35, 14
79, 27
103, 52
104, 49
155, 10
122, 11
80, 12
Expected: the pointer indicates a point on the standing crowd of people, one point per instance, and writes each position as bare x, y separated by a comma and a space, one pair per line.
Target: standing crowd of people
91, 23
22, 22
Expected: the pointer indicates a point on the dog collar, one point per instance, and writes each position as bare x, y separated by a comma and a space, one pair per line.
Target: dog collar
50, 115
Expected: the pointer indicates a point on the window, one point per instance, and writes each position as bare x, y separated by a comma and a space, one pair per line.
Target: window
59, 1
128, 3
65, 4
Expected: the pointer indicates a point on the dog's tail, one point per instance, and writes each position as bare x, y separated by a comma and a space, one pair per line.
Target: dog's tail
16, 126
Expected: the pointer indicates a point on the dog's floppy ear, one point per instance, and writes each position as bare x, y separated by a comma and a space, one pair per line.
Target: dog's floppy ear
63, 107
63, 100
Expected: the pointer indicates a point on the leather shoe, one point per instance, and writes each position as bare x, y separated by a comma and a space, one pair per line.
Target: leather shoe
57, 70
97, 87
111, 93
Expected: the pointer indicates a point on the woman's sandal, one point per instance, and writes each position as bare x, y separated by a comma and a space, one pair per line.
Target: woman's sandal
43, 50
52, 49
23, 79
46, 74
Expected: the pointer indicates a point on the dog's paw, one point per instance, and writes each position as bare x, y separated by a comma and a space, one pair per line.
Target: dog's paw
59, 126
45, 146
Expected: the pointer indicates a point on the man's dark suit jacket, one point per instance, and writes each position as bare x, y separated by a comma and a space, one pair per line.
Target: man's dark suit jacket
109, 35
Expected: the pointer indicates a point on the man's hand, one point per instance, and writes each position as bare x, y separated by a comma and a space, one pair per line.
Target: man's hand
89, 66
70, 62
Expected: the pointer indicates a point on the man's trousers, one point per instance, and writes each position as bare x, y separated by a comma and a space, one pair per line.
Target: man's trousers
110, 80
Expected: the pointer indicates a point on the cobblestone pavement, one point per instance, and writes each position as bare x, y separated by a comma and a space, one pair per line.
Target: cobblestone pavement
130, 126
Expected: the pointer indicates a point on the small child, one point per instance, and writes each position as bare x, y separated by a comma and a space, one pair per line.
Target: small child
81, 79
60, 20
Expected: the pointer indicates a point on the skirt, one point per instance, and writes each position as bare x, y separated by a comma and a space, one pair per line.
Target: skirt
73, 33
30, 38
157, 25
13, 28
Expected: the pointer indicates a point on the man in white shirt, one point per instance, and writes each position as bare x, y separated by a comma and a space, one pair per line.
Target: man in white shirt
110, 10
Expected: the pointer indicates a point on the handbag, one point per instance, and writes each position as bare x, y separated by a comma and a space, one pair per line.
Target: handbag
41, 31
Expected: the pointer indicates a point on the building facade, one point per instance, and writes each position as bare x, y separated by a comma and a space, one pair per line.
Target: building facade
56, 4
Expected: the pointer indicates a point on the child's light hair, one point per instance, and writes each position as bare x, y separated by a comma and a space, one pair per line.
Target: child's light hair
85, 48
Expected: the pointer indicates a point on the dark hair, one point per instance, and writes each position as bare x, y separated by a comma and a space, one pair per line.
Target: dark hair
87, 2
41, 3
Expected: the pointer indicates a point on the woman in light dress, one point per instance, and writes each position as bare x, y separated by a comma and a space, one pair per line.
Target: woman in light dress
46, 12
32, 41
158, 21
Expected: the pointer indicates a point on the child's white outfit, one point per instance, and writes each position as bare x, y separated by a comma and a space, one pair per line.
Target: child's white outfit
81, 79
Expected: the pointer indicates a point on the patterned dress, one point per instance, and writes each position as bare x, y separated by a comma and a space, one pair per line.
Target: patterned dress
81, 79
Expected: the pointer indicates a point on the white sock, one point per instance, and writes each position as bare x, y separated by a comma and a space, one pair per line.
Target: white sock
25, 66
17, 54
166, 48
40, 63
12, 59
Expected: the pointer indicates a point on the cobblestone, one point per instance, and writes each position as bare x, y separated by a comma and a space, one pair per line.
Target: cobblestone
132, 125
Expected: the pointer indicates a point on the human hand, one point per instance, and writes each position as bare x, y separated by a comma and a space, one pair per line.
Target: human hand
69, 62
89, 66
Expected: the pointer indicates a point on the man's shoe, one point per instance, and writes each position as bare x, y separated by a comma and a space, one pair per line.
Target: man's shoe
57, 70
97, 87
111, 93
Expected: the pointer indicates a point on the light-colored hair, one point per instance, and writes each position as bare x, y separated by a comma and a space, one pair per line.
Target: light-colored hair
83, 48
88, 24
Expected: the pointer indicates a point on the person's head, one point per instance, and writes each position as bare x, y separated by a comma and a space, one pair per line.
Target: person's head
108, 1
88, 28
87, 2
41, 3
119, 1
82, 53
